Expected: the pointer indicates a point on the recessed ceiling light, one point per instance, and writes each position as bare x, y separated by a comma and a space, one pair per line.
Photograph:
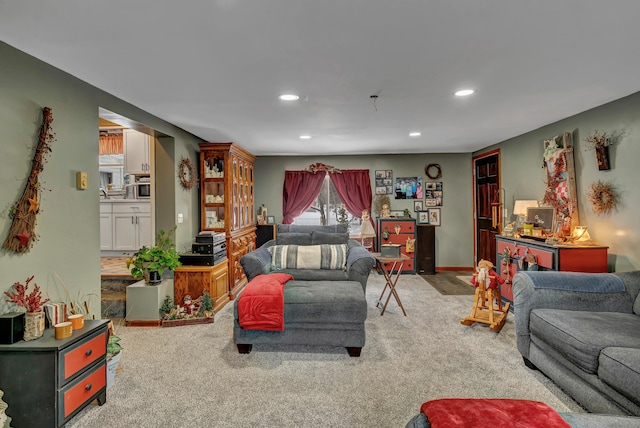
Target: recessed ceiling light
289, 97
415, 134
305, 137
464, 92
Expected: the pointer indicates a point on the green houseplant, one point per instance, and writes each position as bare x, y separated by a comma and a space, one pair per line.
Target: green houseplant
151, 262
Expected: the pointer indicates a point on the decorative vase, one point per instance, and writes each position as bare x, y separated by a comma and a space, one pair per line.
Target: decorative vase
33, 325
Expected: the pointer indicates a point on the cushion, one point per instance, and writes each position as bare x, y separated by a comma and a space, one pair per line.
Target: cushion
291, 238
324, 301
318, 238
581, 336
308, 256
620, 369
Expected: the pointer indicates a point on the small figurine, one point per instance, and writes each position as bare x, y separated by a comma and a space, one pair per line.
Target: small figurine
188, 304
486, 276
385, 211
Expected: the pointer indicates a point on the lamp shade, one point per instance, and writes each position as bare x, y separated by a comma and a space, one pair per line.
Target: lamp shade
521, 205
580, 234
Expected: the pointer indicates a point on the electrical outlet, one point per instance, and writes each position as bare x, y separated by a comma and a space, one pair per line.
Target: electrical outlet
180, 218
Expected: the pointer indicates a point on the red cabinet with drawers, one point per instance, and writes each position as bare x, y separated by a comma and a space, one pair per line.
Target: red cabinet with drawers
526, 252
399, 230
47, 381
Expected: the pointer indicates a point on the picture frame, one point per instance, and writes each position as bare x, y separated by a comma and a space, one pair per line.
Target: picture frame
408, 188
423, 217
384, 181
271, 219
397, 213
434, 216
417, 205
541, 217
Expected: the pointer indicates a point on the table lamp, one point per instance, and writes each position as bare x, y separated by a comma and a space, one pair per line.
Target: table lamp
580, 234
520, 210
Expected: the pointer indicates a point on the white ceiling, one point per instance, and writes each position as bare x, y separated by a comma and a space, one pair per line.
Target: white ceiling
215, 67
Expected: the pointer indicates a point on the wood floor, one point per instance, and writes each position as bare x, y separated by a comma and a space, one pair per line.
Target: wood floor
448, 283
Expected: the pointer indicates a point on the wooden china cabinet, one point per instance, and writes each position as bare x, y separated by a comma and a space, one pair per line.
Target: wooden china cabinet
227, 203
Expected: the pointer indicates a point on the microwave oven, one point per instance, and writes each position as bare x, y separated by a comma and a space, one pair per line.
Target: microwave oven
138, 191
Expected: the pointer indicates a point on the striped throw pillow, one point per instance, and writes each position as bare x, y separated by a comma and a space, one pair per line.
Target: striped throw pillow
308, 256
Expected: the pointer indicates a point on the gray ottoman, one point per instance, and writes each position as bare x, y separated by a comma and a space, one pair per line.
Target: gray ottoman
328, 313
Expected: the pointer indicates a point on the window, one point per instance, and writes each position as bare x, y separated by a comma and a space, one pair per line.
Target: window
328, 209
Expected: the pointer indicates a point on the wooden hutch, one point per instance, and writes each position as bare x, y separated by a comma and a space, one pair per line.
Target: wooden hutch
227, 203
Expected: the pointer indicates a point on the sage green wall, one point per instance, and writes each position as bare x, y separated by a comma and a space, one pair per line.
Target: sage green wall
454, 239
523, 177
68, 248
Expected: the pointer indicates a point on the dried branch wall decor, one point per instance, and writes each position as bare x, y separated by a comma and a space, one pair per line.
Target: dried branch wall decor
22, 232
600, 142
187, 174
603, 197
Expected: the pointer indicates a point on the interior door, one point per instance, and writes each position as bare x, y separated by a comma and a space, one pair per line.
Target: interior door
486, 176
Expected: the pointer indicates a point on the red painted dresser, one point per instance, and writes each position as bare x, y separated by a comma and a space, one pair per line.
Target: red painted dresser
572, 258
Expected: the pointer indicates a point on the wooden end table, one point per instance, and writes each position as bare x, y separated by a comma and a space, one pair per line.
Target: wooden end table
390, 278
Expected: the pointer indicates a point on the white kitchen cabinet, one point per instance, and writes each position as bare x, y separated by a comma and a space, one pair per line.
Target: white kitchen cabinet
131, 226
136, 152
106, 227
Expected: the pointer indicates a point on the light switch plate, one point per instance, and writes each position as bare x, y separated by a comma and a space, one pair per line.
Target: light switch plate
82, 180
180, 218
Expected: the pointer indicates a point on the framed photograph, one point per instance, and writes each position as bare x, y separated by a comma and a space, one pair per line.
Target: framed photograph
408, 188
417, 205
541, 217
384, 181
434, 216
397, 213
271, 219
423, 217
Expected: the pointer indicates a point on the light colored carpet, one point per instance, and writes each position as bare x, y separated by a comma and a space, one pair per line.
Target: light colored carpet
193, 375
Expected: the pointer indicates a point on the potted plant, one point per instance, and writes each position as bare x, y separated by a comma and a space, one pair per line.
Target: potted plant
114, 354
33, 303
150, 262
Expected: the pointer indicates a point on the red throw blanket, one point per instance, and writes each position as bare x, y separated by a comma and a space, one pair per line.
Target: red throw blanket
261, 303
491, 413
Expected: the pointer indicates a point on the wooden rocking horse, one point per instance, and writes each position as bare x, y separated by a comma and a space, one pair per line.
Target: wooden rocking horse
484, 309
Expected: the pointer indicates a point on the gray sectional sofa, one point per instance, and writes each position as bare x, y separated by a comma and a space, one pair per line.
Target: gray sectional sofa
359, 259
583, 332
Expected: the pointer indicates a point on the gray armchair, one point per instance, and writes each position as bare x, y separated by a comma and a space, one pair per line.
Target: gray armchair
359, 259
583, 331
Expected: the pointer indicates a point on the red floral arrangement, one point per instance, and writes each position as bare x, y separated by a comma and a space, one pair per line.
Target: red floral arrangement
32, 302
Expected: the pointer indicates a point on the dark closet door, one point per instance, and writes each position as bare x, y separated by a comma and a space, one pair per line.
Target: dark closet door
486, 190
426, 250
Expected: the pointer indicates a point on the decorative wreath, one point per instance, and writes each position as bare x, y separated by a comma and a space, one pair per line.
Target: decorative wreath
186, 174
433, 171
603, 197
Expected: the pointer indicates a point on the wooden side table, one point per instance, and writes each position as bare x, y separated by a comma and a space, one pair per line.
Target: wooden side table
391, 278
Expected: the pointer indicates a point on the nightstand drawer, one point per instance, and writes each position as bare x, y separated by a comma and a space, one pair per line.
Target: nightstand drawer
83, 390
77, 358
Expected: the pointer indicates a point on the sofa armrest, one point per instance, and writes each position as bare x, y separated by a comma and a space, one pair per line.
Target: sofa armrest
359, 265
256, 262
597, 292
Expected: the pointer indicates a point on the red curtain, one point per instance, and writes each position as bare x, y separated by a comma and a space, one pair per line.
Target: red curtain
354, 188
301, 188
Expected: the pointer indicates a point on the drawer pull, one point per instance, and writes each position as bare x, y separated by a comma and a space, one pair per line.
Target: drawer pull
88, 352
88, 387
